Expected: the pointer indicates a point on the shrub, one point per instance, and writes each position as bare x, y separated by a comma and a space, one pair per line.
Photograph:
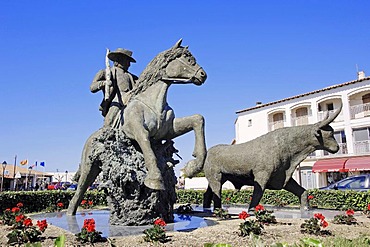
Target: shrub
88, 233
347, 218
248, 227
313, 225
157, 233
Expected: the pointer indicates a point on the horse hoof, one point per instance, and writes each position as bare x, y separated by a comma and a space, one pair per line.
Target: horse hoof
154, 184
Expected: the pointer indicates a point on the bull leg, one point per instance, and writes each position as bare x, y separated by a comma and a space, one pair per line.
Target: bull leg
207, 198
257, 195
186, 124
216, 186
88, 174
296, 189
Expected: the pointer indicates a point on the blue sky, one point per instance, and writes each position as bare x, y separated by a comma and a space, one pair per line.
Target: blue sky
251, 50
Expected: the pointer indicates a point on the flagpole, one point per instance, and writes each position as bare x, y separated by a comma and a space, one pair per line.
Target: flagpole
14, 170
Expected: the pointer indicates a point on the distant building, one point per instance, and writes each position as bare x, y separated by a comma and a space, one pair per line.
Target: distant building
352, 128
23, 177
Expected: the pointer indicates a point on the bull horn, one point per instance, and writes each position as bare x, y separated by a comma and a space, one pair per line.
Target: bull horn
328, 119
178, 44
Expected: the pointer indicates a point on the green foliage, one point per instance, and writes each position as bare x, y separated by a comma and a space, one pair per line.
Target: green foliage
330, 199
250, 226
222, 214
344, 219
155, 234
46, 199
189, 196
265, 217
60, 241
362, 241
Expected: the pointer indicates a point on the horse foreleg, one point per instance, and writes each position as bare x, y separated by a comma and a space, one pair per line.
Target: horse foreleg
184, 125
154, 178
88, 174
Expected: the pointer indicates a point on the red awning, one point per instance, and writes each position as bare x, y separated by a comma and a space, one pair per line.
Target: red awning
330, 165
358, 164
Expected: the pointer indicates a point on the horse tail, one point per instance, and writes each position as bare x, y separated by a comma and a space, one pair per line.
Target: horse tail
193, 167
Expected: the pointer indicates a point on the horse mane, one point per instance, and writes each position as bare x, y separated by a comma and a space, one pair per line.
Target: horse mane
154, 71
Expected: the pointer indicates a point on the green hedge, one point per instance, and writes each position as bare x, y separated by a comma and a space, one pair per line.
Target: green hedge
328, 199
37, 201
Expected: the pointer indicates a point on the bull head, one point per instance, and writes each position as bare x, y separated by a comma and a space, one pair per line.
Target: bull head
324, 133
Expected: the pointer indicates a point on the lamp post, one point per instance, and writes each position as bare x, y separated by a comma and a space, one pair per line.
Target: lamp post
66, 175
29, 176
2, 178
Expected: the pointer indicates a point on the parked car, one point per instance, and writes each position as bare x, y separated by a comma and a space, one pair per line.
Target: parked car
357, 183
93, 187
72, 187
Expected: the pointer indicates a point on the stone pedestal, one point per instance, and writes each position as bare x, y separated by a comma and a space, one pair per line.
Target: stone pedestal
131, 202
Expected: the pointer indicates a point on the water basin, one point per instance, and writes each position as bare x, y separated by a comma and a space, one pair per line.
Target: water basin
74, 223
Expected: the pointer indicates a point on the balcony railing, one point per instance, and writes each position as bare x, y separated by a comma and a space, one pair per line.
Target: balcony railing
302, 120
362, 147
322, 114
276, 125
360, 111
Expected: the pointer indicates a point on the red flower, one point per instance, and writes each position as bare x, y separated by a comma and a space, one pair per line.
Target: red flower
19, 218
160, 222
27, 222
259, 207
310, 197
324, 223
89, 225
350, 212
83, 202
243, 215
19, 204
60, 205
319, 216
8, 209
42, 225
368, 207
227, 199
15, 210
90, 203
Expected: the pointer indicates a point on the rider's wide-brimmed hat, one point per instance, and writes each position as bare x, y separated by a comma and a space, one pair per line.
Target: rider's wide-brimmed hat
113, 55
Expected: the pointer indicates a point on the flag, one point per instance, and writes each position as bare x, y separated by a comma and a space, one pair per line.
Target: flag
36, 163
24, 162
42, 163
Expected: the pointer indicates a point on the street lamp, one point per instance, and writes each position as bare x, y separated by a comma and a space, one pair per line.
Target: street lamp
2, 178
66, 175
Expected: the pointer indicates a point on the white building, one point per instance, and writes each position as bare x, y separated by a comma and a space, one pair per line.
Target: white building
352, 128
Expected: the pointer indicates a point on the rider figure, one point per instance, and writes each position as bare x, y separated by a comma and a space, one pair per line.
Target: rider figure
119, 85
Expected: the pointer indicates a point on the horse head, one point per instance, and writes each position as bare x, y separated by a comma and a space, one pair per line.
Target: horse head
182, 67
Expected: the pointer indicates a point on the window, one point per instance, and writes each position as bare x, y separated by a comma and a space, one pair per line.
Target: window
340, 136
278, 117
361, 134
366, 98
330, 106
301, 112
352, 183
249, 122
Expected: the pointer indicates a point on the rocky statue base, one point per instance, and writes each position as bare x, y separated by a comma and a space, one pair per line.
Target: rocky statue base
123, 170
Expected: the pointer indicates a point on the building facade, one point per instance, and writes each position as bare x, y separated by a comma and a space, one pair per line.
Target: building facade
352, 128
